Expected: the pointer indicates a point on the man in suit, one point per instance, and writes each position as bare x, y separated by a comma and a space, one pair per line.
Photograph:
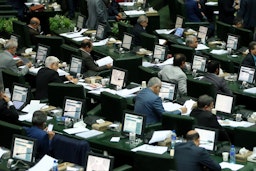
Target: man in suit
213, 69
227, 9
194, 12
191, 41
34, 29
91, 67
139, 27
175, 73
250, 59
204, 117
148, 102
7, 61
49, 74
189, 156
248, 13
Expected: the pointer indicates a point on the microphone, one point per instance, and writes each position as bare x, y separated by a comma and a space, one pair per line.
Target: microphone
120, 79
23, 153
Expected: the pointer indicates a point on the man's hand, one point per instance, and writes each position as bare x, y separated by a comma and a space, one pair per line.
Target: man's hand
6, 98
183, 109
29, 65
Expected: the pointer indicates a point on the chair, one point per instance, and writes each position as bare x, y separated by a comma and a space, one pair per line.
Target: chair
57, 92
180, 123
53, 41
5, 7
148, 41
10, 77
112, 106
146, 73
243, 137
123, 27
21, 29
195, 25
67, 51
12, 13
196, 88
246, 36
187, 51
222, 30
6, 133
226, 64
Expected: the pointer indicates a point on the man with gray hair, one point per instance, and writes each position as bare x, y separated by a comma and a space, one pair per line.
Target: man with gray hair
147, 102
49, 74
191, 41
7, 61
139, 27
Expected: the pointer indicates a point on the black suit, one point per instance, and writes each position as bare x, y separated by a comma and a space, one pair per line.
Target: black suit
226, 11
248, 13
8, 114
248, 60
43, 78
33, 33
137, 30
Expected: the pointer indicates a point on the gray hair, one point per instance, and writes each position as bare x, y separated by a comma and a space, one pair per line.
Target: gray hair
154, 81
204, 100
142, 18
51, 60
190, 39
11, 44
39, 118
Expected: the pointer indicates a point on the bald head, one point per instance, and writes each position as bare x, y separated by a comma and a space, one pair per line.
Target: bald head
192, 135
34, 23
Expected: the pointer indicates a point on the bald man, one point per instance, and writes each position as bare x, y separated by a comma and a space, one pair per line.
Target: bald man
189, 156
34, 29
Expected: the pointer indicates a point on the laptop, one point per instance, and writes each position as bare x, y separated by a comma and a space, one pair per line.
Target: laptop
42, 52
118, 78
179, 32
224, 104
246, 74
100, 32
76, 66
202, 34
199, 63
20, 95
99, 162
160, 53
74, 108
168, 91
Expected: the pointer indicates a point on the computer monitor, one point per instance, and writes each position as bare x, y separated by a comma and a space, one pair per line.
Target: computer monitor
127, 41
133, 123
208, 137
74, 107
17, 38
179, 21
76, 65
99, 162
202, 33
80, 22
168, 90
160, 52
179, 32
20, 95
42, 53
23, 148
101, 31
246, 74
199, 63
118, 77
224, 103
232, 41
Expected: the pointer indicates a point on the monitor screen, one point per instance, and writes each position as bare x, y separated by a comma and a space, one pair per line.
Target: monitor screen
99, 162
76, 65
42, 52
73, 107
224, 103
208, 137
118, 77
179, 32
199, 63
202, 32
20, 95
100, 32
80, 22
133, 123
23, 148
127, 41
14, 37
17, 38
179, 21
168, 91
232, 41
246, 74
160, 52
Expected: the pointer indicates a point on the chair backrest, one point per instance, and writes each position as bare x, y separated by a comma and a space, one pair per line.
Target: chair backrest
5, 7
57, 92
197, 88
226, 64
195, 25
21, 29
7, 130
53, 41
222, 30
246, 36
187, 51
148, 41
180, 123
10, 77
243, 137
146, 73
112, 106
67, 51
123, 28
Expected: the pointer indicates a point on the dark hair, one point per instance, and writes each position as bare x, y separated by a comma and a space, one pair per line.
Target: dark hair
204, 100
212, 66
192, 137
238, 20
39, 118
86, 43
252, 45
178, 59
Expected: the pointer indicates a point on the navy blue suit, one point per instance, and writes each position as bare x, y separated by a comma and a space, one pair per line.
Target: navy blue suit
248, 60
189, 157
193, 12
136, 31
150, 104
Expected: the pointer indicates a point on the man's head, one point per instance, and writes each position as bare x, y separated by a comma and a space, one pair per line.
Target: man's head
213, 67
252, 48
143, 21
191, 41
34, 22
238, 22
205, 102
155, 85
11, 46
39, 119
192, 135
87, 45
179, 60
52, 62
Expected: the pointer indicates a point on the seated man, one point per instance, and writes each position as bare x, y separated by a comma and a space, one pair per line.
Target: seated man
213, 69
189, 156
191, 41
49, 74
91, 67
34, 29
204, 117
40, 133
250, 59
148, 102
8, 112
174, 73
139, 27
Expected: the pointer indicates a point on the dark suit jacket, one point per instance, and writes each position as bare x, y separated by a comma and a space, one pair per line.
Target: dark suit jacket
43, 78
8, 114
33, 33
136, 31
248, 60
189, 157
193, 12
207, 119
226, 11
219, 83
248, 13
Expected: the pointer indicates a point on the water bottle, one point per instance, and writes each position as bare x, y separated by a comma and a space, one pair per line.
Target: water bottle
7, 92
55, 166
232, 154
173, 137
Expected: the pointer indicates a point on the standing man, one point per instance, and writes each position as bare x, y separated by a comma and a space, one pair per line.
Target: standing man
227, 9
248, 13
139, 27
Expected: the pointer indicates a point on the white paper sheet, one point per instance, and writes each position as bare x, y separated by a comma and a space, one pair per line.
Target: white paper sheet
78, 39
159, 136
104, 61
219, 52
2, 151
202, 47
89, 134
166, 62
211, 3
231, 166
75, 130
151, 149
169, 106
250, 90
134, 12
100, 43
44, 164
231, 123
164, 31
189, 104
128, 4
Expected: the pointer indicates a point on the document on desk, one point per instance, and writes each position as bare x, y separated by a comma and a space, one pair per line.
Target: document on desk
78, 39
250, 90
166, 62
169, 106
43, 164
134, 12
160, 136
211, 3
202, 47
75, 130
100, 43
219, 52
74, 34
89, 134
104, 61
127, 92
128, 4
231, 166
189, 105
164, 31
34, 70
231, 123
151, 149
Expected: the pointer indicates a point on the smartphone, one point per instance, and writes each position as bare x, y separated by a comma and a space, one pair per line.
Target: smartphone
50, 127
